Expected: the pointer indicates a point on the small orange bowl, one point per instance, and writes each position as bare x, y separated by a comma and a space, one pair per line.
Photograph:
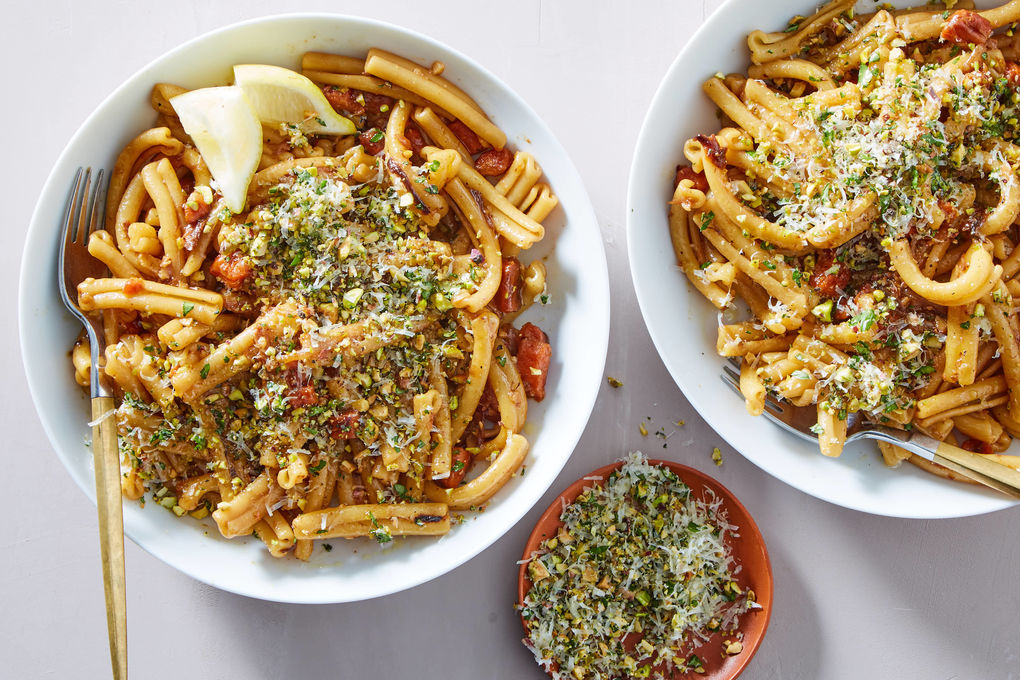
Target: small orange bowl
748, 550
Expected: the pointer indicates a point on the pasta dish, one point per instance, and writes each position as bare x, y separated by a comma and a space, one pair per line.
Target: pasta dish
861, 203
333, 357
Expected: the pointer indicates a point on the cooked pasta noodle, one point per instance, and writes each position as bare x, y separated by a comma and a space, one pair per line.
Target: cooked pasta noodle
332, 360
862, 200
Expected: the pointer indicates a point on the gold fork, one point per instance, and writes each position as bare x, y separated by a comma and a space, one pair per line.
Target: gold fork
81, 217
799, 421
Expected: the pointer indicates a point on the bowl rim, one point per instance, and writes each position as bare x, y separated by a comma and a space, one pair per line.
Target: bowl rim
720, 23
598, 315
749, 532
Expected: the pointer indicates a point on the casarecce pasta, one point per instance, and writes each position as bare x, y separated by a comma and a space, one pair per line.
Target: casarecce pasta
334, 359
862, 202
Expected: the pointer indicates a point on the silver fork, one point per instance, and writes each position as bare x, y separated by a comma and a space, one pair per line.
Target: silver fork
83, 213
799, 421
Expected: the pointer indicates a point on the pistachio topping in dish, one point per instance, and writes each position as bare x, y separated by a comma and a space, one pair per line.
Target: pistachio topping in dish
638, 577
301, 314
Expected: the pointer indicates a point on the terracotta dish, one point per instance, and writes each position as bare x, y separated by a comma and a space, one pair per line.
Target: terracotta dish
748, 551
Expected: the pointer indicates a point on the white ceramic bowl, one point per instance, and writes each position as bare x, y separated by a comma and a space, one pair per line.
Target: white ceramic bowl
576, 319
683, 324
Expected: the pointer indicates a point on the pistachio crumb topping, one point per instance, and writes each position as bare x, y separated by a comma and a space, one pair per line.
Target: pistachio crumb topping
639, 576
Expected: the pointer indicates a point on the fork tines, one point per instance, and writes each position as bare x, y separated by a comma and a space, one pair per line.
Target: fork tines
731, 376
78, 230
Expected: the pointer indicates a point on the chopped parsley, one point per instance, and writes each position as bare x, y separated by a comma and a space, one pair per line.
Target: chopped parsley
706, 220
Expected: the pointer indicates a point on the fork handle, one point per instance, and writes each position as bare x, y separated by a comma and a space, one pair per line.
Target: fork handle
976, 476
972, 465
975, 462
106, 458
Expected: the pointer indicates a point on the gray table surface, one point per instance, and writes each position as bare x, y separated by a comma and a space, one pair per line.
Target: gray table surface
855, 595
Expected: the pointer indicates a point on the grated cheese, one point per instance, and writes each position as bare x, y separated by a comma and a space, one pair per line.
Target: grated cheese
638, 560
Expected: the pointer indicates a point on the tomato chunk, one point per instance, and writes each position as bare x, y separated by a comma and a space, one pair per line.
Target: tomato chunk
467, 137
299, 397
494, 162
195, 208
1013, 73
461, 461
687, 172
508, 297
534, 354
966, 27
344, 425
829, 275
415, 138
378, 108
343, 101
231, 269
373, 140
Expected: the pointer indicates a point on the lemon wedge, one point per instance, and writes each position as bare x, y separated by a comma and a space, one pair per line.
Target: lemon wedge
225, 128
280, 95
